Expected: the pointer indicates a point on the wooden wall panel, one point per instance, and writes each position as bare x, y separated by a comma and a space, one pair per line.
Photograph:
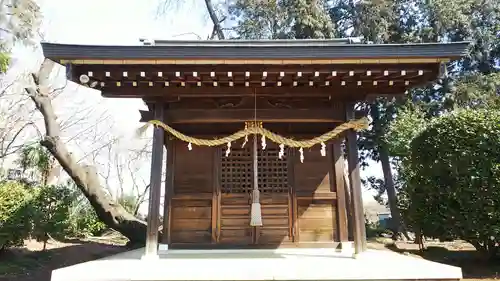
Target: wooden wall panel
313, 176
316, 221
275, 219
235, 219
314, 184
191, 221
191, 210
193, 169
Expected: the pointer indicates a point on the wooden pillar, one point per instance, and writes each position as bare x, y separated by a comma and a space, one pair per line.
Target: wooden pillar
348, 197
338, 162
355, 182
169, 188
151, 249
216, 195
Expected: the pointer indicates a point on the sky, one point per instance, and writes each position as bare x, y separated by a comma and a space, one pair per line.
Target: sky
122, 22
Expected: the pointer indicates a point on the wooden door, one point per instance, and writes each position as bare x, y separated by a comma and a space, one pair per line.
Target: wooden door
236, 183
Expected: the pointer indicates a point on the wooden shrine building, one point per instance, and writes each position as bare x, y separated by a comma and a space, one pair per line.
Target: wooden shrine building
298, 89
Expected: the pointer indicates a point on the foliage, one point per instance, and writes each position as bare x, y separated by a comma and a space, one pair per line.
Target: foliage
303, 19
259, 20
15, 211
410, 121
454, 184
478, 91
38, 158
44, 212
83, 220
129, 202
4, 62
51, 211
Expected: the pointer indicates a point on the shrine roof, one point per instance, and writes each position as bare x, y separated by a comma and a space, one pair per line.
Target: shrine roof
340, 69
254, 49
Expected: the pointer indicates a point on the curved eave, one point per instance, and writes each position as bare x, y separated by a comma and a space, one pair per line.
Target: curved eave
236, 50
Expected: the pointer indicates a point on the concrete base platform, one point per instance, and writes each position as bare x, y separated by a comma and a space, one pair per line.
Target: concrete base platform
279, 264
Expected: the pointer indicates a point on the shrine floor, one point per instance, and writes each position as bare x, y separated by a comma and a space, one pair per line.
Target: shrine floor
279, 264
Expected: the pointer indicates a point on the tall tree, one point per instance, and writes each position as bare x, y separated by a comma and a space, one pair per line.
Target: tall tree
402, 21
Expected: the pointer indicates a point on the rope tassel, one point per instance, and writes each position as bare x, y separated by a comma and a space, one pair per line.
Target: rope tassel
255, 212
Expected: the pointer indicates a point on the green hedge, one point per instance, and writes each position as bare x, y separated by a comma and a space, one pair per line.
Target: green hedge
15, 214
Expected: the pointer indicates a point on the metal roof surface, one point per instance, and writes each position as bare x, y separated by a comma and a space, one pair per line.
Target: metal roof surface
254, 49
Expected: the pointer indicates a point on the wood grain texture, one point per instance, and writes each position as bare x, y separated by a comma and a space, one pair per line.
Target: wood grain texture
355, 182
338, 160
315, 191
211, 200
194, 169
191, 221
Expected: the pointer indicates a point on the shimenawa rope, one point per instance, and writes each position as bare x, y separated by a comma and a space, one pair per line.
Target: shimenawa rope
257, 129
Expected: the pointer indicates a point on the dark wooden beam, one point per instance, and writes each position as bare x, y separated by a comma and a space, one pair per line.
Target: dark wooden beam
337, 92
169, 188
355, 182
151, 248
338, 164
242, 115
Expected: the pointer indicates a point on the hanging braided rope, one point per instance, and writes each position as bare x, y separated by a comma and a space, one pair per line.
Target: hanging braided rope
257, 129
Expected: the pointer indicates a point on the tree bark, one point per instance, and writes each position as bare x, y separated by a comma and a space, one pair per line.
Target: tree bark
85, 176
390, 189
396, 223
215, 20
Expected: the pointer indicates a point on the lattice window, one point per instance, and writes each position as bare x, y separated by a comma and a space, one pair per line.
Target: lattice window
272, 171
237, 171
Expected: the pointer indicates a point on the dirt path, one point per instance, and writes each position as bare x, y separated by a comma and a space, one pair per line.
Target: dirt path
31, 264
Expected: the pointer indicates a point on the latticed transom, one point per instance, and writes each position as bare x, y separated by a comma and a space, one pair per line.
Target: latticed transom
237, 171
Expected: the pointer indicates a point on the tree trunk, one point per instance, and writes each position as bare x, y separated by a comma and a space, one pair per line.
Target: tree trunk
395, 222
215, 20
419, 239
45, 238
391, 191
85, 177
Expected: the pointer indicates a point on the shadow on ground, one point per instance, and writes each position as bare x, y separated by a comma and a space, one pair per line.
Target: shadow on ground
472, 264
22, 264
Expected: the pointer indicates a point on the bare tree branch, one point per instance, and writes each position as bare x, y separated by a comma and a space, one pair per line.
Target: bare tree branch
215, 19
175, 4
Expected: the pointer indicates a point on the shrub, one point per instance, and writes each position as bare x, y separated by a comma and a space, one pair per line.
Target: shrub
51, 206
454, 188
15, 214
84, 221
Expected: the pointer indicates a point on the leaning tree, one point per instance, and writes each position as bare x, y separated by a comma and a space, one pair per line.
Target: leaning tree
85, 176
